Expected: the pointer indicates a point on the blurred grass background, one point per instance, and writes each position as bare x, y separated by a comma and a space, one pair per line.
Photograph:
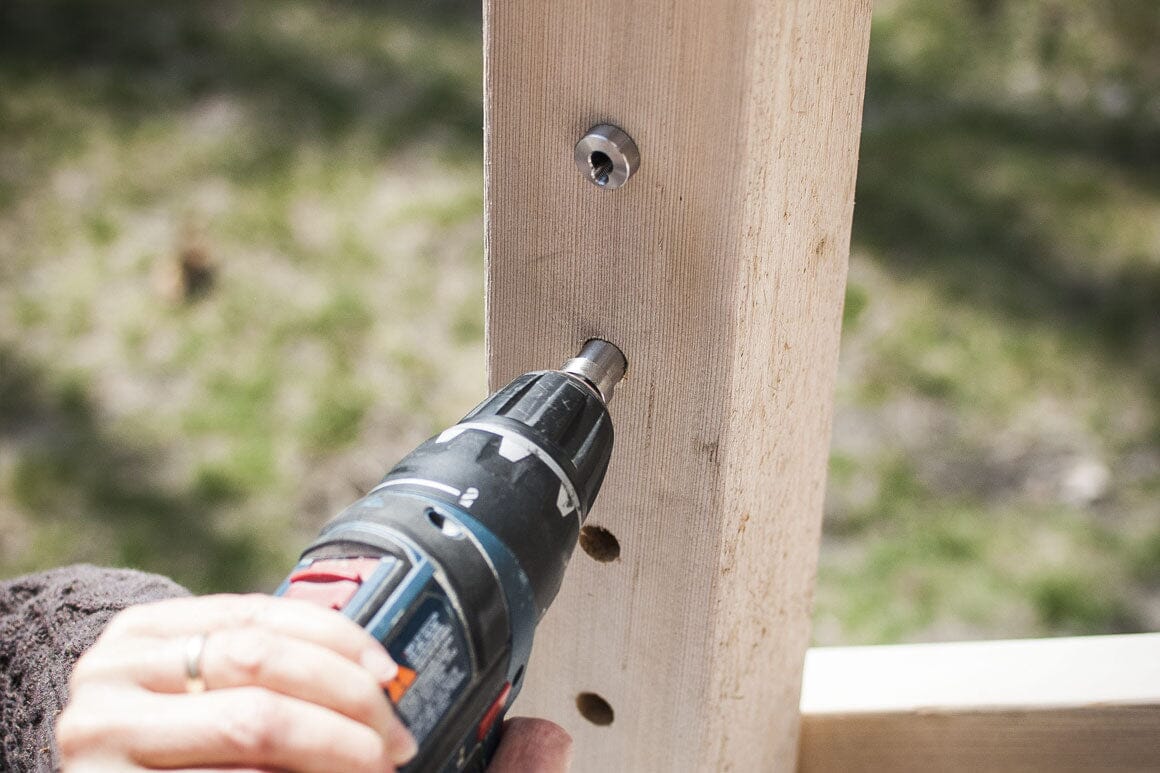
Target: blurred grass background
241, 274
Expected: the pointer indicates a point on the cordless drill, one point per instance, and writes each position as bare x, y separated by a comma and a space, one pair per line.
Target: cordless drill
454, 557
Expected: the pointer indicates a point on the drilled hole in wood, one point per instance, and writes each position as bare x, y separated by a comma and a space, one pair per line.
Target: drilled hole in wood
599, 543
594, 708
601, 167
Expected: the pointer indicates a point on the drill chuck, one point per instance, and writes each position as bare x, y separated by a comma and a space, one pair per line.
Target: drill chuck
451, 560
600, 364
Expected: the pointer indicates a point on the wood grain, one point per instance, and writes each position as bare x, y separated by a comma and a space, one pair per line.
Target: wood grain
720, 270
1077, 704
1112, 738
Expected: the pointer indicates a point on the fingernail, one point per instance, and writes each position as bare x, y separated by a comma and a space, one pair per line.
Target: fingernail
405, 747
376, 660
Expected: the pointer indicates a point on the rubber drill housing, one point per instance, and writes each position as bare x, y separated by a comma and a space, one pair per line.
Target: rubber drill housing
533, 457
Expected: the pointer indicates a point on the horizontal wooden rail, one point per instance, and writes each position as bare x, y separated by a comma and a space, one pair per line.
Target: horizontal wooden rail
1087, 703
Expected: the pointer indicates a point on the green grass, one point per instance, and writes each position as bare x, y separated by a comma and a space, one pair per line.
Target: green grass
996, 457
336, 417
333, 179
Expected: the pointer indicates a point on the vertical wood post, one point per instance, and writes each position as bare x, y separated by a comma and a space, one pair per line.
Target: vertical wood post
719, 269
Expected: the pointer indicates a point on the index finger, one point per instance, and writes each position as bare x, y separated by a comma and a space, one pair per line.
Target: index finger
292, 617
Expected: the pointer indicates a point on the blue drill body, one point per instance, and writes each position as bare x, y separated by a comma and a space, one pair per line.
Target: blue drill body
451, 560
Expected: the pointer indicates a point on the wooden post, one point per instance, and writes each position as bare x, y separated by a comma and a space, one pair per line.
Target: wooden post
720, 270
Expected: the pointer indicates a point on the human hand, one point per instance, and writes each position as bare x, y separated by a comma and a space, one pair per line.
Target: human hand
293, 687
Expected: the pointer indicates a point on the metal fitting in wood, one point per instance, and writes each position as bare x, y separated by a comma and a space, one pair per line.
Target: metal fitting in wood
607, 156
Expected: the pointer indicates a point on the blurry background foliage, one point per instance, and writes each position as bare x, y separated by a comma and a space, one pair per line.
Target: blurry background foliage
241, 273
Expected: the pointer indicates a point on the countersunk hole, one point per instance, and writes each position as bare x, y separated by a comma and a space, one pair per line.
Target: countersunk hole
599, 543
594, 708
600, 167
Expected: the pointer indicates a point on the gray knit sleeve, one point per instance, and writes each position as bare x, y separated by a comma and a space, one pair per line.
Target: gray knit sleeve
46, 621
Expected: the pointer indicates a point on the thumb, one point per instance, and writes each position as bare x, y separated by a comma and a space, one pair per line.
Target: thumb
532, 746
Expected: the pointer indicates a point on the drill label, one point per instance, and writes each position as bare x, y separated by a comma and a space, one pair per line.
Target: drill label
432, 650
397, 687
